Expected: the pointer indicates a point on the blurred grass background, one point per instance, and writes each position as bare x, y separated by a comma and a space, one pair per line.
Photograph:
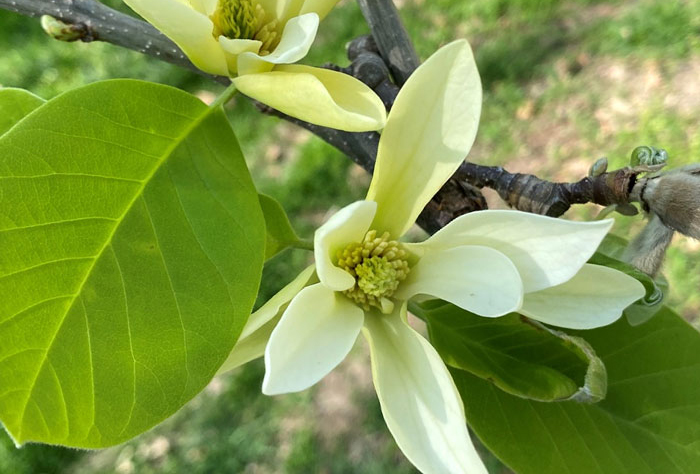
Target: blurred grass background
565, 82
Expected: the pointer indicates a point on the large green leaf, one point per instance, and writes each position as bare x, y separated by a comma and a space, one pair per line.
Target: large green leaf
15, 104
520, 356
649, 422
132, 245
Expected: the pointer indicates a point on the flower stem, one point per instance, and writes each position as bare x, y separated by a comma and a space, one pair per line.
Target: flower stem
225, 96
303, 244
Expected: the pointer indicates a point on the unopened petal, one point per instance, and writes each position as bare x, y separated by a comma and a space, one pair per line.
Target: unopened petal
315, 333
419, 400
297, 37
319, 96
593, 298
188, 28
546, 251
348, 225
478, 279
430, 130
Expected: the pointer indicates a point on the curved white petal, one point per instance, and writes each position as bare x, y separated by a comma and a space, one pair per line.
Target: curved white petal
253, 339
188, 28
478, 279
319, 96
419, 400
316, 332
348, 225
297, 37
546, 251
430, 130
594, 297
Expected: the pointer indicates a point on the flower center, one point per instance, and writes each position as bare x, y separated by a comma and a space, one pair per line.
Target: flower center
378, 266
245, 19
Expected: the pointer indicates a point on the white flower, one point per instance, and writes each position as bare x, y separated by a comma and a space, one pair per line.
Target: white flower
490, 263
256, 42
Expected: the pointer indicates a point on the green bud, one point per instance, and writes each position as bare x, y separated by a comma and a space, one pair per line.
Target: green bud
62, 31
648, 156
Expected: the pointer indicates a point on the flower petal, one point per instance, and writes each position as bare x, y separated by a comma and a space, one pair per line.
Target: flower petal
320, 7
419, 400
546, 251
478, 279
233, 48
348, 225
320, 96
298, 34
594, 297
206, 7
189, 29
430, 129
316, 332
253, 339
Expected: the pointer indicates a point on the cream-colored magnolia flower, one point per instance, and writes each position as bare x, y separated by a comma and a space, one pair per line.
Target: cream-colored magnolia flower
490, 263
256, 43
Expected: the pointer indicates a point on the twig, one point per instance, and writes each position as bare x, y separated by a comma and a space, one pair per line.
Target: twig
394, 44
531, 194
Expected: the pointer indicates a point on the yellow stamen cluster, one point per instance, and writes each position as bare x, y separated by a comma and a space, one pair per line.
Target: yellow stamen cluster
378, 266
245, 19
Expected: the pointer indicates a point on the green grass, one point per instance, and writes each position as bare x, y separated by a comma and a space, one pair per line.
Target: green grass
565, 83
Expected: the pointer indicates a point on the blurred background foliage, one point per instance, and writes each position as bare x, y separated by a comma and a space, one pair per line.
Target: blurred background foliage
565, 83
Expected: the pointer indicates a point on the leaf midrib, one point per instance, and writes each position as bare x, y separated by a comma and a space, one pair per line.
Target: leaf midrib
177, 141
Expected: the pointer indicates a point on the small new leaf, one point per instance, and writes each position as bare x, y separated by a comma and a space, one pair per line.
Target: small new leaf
280, 234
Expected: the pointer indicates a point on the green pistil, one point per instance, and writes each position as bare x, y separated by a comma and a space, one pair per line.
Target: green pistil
378, 266
244, 19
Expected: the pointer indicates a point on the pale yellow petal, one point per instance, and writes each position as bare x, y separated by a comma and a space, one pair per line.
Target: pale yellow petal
593, 298
189, 29
206, 7
348, 225
320, 7
478, 279
315, 333
419, 400
319, 96
429, 132
256, 333
233, 48
297, 37
546, 251
253, 339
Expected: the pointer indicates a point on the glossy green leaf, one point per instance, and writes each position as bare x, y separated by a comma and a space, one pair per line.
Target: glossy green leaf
280, 234
132, 246
649, 423
520, 356
15, 104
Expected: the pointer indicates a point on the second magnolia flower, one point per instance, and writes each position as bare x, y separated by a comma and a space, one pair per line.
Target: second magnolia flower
257, 42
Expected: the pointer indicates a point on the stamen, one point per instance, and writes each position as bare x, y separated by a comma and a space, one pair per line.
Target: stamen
378, 266
245, 19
